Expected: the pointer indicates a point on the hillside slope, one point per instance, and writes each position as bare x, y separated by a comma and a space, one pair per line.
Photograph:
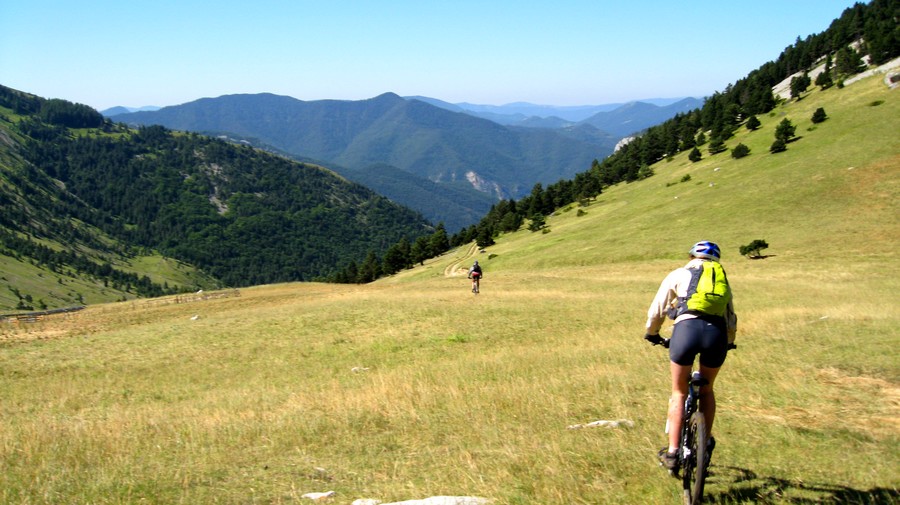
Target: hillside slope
88, 212
411, 386
832, 194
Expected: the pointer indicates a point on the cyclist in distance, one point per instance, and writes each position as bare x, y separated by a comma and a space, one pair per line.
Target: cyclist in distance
694, 333
475, 274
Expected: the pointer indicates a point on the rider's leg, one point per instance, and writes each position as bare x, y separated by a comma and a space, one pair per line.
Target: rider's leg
680, 375
708, 396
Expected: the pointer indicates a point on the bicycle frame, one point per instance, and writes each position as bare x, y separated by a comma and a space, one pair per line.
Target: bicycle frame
692, 457
692, 401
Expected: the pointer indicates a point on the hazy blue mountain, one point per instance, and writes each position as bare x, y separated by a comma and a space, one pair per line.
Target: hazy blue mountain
545, 122
473, 156
636, 116
114, 111
527, 110
546, 116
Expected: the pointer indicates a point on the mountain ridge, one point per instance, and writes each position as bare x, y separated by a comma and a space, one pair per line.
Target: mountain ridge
84, 212
445, 147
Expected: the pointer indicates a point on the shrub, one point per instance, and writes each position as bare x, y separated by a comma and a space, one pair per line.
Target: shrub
538, 221
778, 146
752, 250
695, 155
785, 130
819, 115
739, 151
753, 123
717, 145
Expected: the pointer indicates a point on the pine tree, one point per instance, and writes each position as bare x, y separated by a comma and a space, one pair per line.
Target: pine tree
819, 115
753, 123
695, 155
785, 130
739, 151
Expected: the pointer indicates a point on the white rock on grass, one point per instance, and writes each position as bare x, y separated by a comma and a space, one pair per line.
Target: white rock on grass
433, 500
318, 496
619, 423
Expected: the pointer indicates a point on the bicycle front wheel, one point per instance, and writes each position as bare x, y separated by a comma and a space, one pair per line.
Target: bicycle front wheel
693, 469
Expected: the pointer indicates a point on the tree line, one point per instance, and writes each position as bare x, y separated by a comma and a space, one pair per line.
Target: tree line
252, 219
70, 263
244, 216
862, 30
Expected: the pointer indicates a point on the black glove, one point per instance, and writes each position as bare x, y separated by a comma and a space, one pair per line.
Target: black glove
654, 339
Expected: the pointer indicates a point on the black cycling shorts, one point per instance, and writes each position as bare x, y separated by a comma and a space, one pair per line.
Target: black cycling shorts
707, 338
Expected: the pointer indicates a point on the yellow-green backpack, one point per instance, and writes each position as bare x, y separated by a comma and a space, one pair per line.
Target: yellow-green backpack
708, 292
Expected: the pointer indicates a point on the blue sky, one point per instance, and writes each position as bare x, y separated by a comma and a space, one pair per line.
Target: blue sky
138, 52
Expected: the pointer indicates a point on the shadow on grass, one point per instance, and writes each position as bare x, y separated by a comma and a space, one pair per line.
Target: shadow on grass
745, 486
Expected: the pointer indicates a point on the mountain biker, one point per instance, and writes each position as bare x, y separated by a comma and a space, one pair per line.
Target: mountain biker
693, 333
475, 273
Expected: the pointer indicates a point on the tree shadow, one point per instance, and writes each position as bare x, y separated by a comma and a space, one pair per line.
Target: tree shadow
761, 256
742, 485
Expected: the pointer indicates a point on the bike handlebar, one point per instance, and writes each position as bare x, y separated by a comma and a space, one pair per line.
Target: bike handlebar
659, 340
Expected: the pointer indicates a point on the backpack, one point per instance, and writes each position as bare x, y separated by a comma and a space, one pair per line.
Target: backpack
708, 292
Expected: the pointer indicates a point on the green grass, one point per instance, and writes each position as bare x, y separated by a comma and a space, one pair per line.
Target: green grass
411, 386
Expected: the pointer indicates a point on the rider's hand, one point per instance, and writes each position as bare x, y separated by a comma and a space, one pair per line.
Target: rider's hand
654, 339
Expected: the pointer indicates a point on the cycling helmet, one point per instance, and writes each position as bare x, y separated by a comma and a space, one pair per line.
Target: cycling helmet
475, 264
706, 250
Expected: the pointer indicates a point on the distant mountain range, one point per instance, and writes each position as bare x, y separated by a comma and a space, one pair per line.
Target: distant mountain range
555, 116
447, 161
86, 204
125, 110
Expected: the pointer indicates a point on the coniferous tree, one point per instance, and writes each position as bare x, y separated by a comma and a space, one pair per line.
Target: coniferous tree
848, 61
819, 115
485, 237
439, 242
778, 146
397, 257
785, 130
753, 123
538, 221
739, 151
695, 155
824, 80
369, 270
716, 145
420, 250
799, 84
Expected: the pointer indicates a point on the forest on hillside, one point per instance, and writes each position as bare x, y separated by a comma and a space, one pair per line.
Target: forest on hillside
244, 216
248, 217
864, 33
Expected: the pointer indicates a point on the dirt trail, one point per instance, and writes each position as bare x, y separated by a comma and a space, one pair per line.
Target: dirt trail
453, 268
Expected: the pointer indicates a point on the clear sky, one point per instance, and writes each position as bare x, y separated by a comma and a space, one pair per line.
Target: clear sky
134, 53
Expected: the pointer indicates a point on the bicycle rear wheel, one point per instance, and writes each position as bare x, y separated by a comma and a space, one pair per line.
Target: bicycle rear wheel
693, 469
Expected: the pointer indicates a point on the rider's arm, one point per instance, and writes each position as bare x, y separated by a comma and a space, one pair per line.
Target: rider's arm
731, 322
665, 296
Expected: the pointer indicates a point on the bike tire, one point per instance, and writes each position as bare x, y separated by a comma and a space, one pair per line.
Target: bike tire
693, 476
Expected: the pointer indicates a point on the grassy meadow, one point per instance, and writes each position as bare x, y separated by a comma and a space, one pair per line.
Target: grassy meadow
412, 387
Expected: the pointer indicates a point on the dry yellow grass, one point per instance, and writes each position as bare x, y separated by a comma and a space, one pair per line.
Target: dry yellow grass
412, 386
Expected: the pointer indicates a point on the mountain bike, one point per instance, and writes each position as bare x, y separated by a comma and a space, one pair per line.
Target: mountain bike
693, 450
476, 283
